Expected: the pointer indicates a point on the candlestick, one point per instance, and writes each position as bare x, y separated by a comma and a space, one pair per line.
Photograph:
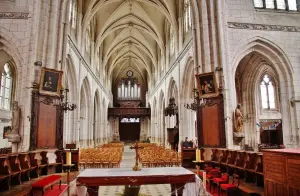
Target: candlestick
68, 158
197, 155
204, 179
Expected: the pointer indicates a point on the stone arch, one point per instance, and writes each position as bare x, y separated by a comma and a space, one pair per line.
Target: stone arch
251, 60
84, 130
154, 120
187, 96
173, 90
104, 119
96, 117
71, 118
9, 49
161, 117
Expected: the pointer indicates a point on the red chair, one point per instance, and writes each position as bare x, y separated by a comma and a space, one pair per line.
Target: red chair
210, 176
223, 180
231, 187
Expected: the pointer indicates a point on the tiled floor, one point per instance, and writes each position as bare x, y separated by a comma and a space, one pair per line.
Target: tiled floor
128, 161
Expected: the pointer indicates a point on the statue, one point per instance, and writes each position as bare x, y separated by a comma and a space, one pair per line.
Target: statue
15, 118
238, 122
14, 136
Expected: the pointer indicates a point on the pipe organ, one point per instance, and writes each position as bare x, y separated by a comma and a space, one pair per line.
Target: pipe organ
129, 90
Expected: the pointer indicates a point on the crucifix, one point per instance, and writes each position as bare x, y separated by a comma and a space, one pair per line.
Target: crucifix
136, 147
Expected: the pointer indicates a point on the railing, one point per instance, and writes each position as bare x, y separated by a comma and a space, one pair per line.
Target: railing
129, 112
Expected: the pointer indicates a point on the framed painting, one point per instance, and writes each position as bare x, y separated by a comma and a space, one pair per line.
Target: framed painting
207, 85
50, 82
6, 131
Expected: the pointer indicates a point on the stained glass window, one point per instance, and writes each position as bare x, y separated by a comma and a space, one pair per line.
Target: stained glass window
267, 90
172, 41
73, 15
6, 87
187, 16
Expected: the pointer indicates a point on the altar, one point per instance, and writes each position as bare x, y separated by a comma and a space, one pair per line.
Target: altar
180, 179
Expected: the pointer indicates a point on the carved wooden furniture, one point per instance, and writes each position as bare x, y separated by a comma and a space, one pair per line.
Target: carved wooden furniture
188, 156
25, 166
46, 124
246, 164
45, 183
14, 169
34, 170
282, 172
4, 174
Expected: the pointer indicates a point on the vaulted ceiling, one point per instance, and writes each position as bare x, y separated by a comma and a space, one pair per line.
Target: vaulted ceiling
130, 33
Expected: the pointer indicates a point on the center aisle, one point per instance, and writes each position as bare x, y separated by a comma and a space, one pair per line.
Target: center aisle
128, 158
128, 161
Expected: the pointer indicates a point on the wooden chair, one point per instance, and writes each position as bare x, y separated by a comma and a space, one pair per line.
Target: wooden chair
223, 180
229, 188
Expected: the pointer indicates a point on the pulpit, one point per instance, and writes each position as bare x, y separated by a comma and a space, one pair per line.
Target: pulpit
173, 136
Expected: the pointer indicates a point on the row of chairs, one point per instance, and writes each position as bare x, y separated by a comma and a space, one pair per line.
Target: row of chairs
107, 156
157, 156
221, 181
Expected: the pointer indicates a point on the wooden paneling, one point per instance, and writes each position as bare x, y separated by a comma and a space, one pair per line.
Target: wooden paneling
282, 172
210, 119
211, 123
46, 132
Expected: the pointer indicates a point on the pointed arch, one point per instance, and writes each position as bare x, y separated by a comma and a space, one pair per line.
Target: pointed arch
250, 62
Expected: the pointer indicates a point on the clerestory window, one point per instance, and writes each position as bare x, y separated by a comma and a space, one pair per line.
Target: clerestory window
287, 5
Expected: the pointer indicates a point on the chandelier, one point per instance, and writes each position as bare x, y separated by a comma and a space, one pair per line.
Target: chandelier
64, 103
172, 108
195, 105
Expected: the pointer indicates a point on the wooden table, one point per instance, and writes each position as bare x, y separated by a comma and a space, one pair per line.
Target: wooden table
176, 176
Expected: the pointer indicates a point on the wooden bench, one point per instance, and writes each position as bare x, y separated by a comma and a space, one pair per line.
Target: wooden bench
45, 183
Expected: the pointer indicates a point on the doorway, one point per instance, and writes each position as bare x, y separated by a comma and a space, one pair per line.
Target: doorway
129, 129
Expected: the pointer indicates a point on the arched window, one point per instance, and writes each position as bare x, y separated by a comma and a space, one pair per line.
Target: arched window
288, 5
6, 87
73, 13
88, 39
187, 16
172, 41
268, 93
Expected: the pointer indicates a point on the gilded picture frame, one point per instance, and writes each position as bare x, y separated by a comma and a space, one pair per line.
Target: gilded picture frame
207, 85
50, 82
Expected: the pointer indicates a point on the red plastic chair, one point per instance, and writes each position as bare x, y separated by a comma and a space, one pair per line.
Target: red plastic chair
223, 180
231, 187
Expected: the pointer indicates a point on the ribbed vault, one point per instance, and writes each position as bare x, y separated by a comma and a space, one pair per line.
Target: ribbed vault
130, 33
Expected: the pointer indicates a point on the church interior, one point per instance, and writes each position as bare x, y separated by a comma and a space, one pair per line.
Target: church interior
150, 97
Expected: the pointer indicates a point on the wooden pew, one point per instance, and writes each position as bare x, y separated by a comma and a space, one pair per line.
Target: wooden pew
25, 166
14, 169
248, 165
55, 167
43, 163
4, 174
34, 170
